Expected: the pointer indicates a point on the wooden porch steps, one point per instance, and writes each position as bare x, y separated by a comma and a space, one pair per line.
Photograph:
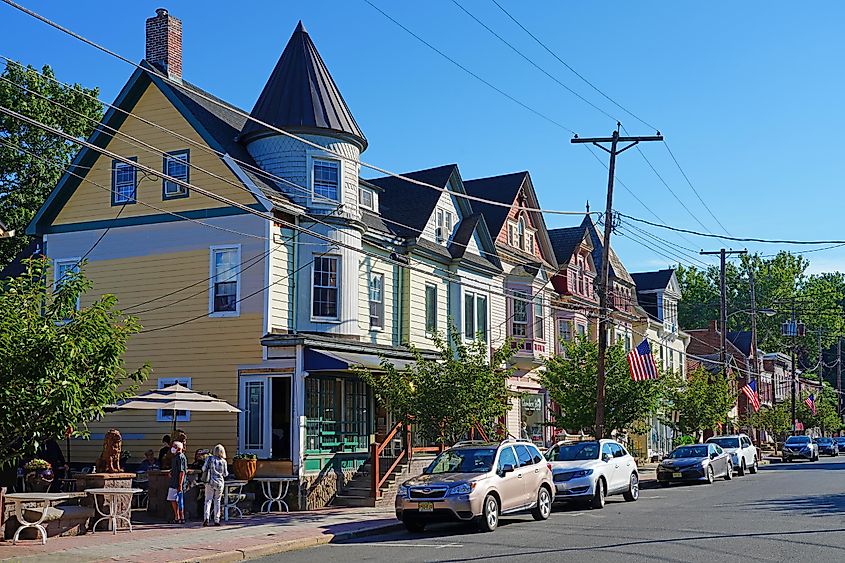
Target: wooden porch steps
358, 492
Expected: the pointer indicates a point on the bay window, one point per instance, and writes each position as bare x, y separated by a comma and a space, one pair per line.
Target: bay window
326, 179
519, 320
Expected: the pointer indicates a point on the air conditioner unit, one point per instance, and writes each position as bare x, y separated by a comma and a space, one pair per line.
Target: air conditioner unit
439, 234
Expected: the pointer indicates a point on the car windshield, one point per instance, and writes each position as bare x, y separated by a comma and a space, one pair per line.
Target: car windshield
463, 460
824, 440
840, 439
725, 442
797, 440
577, 452
689, 451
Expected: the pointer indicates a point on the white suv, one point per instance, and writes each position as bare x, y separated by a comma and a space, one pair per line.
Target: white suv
741, 449
591, 471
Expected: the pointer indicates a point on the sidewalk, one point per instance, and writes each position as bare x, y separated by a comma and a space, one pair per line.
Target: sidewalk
240, 539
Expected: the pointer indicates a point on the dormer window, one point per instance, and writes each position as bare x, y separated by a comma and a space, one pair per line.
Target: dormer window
326, 179
366, 198
443, 229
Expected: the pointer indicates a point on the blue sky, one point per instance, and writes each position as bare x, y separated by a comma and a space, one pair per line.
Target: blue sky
747, 94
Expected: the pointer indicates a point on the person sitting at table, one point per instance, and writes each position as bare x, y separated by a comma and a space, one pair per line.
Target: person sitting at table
215, 470
199, 458
52, 454
150, 463
164, 449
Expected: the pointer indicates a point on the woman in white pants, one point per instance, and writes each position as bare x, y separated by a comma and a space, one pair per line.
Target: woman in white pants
216, 470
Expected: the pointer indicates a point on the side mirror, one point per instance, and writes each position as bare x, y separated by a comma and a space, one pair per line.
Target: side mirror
506, 468
606, 457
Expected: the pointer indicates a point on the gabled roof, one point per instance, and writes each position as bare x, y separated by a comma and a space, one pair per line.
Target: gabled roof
564, 242
502, 189
301, 94
647, 281
617, 269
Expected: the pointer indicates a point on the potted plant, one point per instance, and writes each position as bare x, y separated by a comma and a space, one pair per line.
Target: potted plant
244, 466
39, 475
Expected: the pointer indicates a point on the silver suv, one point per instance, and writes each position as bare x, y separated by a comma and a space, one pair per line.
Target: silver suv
478, 481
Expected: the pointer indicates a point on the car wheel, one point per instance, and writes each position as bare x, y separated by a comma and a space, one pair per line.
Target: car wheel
633, 492
600, 495
729, 473
544, 505
741, 470
413, 525
787, 459
489, 514
753, 469
711, 475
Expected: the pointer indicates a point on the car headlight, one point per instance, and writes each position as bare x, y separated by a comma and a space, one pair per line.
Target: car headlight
582, 473
462, 489
404, 491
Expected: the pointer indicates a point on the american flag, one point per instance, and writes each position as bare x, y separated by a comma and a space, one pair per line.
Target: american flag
811, 402
642, 363
750, 391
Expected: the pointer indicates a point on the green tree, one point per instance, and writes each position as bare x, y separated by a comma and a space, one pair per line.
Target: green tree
776, 420
825, 418
570, 379
59, 366
446, 396
702, 400
31, 161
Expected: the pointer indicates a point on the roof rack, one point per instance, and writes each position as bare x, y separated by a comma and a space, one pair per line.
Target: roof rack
510, 439
469, 443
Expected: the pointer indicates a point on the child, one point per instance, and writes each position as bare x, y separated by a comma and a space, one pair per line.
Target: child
216, 470
175, 493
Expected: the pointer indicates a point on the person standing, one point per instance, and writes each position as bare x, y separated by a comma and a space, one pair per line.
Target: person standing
215, 470
176, 491
164, 449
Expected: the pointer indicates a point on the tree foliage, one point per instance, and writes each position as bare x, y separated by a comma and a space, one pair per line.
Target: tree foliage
447, 395
570, 379
825, 418
702, 400
776, 420
31, 161
59, 366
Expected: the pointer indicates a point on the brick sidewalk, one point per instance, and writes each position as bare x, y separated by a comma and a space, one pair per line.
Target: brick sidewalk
239, 539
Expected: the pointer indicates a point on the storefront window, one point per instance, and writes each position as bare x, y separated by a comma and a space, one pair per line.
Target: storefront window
337, 415
533, 417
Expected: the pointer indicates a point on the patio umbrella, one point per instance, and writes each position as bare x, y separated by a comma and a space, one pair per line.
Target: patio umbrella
176, 398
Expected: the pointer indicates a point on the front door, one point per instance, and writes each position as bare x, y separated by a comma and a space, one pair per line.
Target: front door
265, 420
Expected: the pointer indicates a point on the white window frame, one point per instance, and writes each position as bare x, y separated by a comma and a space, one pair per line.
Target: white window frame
314, 156
486, 310
183, 156
370, 302
56, 277
212, 275
433, 329
166, 382
361, 191
320, 319
523, 297
445, 220
561, 322
116, 199
469, 319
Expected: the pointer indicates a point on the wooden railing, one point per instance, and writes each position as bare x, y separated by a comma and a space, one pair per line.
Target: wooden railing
377, 450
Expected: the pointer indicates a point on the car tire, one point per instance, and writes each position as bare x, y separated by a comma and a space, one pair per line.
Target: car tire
729, 473
544, 505
711, 475
787, 460
413, 525
741, 470
600, 495
753, 468
633, 492
489, 514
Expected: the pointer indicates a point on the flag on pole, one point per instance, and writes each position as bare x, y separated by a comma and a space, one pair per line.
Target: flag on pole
750, 391
811, 402
641, 362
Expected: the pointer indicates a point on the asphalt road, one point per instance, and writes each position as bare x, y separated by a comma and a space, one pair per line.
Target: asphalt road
785, 512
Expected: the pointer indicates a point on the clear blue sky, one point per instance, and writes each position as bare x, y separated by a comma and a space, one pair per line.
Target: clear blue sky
748, 95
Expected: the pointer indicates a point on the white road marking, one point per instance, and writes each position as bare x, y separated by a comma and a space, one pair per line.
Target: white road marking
391, 544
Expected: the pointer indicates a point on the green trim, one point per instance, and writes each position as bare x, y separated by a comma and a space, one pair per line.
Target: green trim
150, 219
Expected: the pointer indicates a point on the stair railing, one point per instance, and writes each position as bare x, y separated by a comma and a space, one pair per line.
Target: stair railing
376, 450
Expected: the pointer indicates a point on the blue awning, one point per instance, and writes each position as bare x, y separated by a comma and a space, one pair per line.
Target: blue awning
324, 360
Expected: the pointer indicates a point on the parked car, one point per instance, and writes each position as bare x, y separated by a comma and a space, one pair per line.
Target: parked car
478, 481
840, 441
800, 447
827, 446
741, 449
695, 462
592, 471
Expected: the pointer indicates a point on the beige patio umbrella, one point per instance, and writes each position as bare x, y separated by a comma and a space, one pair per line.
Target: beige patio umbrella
176, 398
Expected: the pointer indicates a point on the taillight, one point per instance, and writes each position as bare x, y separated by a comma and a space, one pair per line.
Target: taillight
549, 465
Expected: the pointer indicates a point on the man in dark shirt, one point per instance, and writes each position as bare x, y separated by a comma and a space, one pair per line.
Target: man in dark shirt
164, 450
175, 492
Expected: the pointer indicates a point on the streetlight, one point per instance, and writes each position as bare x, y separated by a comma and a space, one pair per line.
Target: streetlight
769, 312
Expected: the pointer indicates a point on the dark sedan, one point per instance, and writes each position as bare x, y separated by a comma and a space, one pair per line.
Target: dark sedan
696, 462
827, 446
840, 441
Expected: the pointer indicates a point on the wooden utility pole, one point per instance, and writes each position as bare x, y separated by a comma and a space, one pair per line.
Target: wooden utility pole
604, 310
839, 377
723, 305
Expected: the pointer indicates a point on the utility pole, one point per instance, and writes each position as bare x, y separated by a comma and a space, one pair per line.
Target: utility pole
793, 330
604, 310
839, 377
723, 304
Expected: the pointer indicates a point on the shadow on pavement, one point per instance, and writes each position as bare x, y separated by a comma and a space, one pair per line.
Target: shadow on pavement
805, 466
815, 505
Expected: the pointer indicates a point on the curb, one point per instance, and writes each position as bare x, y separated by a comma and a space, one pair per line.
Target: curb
274, 548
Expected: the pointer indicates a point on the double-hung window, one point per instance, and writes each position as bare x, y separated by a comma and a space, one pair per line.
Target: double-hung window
481, 316
430, 308
519, 321
539, 332
445, 221
326, 179
124, 182
62, 271
324, 292
469, 315
175, 164
376, 291
366, 198
225, 280
475, 316
564, 330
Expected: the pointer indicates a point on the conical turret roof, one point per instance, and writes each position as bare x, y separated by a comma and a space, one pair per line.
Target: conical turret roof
301, 94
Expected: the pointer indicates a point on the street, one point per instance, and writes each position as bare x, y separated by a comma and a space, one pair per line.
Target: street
785, 512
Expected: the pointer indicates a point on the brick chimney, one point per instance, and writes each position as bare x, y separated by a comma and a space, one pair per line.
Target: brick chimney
164, 43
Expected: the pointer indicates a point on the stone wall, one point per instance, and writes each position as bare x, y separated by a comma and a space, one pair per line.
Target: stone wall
321, 488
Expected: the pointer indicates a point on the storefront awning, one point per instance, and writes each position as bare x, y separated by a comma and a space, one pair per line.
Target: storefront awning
324, 360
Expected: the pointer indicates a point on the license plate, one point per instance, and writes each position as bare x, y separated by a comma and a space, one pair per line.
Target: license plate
426, 507
676, 475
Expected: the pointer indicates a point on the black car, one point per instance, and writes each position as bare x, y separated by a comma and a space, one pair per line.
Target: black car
827, 446
840, 441
695, 462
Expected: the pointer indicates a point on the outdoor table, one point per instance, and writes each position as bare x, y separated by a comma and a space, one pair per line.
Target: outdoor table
43, 501
232, 494
112, 496
281, 492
